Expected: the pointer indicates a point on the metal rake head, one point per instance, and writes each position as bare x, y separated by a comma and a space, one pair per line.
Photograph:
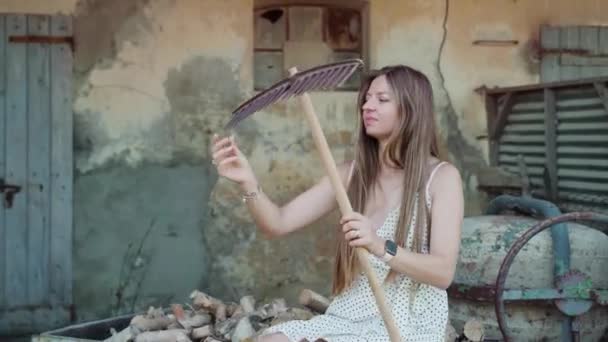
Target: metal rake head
325, 76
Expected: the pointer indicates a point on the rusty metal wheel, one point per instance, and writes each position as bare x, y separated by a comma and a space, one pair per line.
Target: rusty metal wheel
573, 294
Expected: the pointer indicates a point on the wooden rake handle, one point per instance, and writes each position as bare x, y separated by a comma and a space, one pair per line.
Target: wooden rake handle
346, 208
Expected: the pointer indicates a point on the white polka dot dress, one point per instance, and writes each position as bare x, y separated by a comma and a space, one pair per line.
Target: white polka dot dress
353, 315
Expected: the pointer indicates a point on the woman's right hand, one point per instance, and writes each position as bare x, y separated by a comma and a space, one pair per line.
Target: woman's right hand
230, 162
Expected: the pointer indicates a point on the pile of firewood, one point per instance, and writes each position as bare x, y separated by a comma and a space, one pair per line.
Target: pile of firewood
208, 319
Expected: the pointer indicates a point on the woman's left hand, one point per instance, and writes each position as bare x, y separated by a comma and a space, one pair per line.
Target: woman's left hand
358, 231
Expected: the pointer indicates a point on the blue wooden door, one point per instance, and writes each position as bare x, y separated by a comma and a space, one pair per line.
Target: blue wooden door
36, 157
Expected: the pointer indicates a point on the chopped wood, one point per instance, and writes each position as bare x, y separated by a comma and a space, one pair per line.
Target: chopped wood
163, 336
292, 314
214, 306
243, 330
154, 319
202, 332
314, 301
208, 319
248, 304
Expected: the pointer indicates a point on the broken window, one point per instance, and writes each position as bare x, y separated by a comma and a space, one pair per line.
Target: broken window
305, 36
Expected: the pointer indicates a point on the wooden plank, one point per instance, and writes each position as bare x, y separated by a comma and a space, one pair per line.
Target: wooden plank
587, 186
3, 242
38, 154
551, 143
590, 42
539, 86
516, 149
598, 139
501, 117
16, 164
527, 107
577, 103
582, 126
525, 128
549, 65
590, 66
569, 38
582, 174
603, 47
578, 162
531, 117
603, 94
532, 170
582, 114
61, 164
529, 160
522, 139
491, 104
587, 150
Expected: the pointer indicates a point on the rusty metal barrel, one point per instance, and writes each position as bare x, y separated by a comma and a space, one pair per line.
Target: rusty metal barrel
485, 243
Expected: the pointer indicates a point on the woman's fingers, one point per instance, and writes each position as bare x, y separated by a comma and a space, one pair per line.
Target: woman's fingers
351, 225
227, 161
223, 153
219, 143
352, 235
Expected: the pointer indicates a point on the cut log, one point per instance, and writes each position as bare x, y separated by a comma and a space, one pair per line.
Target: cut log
202, 332
211, 339
231, 308
273, 308
224, 328
188, 319
154, 319
163, 336
473, 330
248, 304
292, 314
212, 305
314, 301
243, 330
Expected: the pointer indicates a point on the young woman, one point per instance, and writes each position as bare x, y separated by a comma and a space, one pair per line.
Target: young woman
408, 214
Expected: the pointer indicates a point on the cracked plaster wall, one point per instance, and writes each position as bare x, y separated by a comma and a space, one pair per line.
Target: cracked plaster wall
153, 79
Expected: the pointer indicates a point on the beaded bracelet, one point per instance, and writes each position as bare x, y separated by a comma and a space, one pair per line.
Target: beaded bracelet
249, 196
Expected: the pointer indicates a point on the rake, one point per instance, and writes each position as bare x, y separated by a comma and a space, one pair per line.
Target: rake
326, 76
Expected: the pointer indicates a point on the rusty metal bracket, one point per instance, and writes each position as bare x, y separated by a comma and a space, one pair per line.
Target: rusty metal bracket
43, 40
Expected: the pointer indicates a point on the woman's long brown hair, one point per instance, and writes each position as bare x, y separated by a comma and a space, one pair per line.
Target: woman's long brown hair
410, 145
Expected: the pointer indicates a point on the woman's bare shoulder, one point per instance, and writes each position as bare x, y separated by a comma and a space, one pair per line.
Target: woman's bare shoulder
447, 176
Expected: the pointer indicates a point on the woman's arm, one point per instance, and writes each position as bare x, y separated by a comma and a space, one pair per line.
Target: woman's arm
304, 209
438, 267
272, 220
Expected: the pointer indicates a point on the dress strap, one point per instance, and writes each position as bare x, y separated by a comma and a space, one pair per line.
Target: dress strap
428, 183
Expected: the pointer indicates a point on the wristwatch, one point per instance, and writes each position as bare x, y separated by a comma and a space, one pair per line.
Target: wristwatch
390, 250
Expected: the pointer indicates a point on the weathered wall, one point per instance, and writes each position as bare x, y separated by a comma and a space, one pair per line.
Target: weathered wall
155, 78
153, 81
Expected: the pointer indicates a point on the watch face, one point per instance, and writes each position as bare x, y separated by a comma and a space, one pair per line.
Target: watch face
390, 247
